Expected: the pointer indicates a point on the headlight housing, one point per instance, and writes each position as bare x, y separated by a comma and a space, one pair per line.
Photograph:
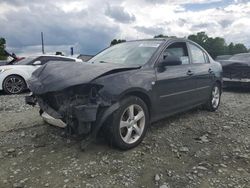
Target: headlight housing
3, 70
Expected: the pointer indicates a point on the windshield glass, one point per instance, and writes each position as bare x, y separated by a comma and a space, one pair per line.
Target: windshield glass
241, 57
129, 53
25, 61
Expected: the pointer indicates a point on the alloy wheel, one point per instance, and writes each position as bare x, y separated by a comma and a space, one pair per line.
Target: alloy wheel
215, 97
132, 124
14, 85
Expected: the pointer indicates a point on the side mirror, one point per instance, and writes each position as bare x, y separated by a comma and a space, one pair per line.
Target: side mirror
37, 63
170, 60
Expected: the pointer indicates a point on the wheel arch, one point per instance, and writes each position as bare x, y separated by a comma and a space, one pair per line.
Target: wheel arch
220, 84
140, 93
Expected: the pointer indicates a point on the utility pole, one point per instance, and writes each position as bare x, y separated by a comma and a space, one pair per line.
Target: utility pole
42, 43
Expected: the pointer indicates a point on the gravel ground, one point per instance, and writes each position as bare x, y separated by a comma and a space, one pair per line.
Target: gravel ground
192, 149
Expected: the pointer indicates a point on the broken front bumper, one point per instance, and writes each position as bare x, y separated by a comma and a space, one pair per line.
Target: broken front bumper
78, 118
52, 121
86, 116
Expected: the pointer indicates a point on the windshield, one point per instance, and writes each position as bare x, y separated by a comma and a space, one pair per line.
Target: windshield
25, 61
129, 53
241, 57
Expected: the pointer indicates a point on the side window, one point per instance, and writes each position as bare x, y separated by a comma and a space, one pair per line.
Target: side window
206, 57
178, 49
197, 54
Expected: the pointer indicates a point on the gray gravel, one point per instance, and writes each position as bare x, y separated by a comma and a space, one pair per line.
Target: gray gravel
192, 149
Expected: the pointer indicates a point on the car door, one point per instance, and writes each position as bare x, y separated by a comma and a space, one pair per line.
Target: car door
175, 85
203, 72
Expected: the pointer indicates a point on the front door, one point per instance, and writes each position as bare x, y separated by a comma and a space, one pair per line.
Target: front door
175, 84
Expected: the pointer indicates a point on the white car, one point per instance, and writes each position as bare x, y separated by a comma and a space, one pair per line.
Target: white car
13, 77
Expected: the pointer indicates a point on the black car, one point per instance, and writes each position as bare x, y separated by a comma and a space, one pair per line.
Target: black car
236, 70
223, 57
128, 86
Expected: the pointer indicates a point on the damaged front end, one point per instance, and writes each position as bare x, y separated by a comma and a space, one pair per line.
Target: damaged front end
80, 107
79, 100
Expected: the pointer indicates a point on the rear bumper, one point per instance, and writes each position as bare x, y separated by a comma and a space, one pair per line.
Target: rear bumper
235, 82
243, 80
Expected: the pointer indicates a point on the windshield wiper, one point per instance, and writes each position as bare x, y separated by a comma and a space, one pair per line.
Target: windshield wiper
99, 62
103, 62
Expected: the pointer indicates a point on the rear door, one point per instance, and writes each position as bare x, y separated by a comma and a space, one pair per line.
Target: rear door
203, 72
175, 85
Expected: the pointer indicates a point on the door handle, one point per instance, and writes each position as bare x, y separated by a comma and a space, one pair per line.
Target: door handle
210, 71
190, 73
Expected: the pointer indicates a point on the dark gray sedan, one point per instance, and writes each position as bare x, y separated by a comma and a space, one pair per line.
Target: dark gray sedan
127, 86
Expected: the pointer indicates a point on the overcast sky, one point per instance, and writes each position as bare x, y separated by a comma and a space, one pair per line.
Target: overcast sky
90, 25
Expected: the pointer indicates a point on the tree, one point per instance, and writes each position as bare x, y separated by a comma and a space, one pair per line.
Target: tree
115, 41
239, 48
163, 36
230, 48
2, 49
200, 38
59, 53
217, 46
160, 36
214, 46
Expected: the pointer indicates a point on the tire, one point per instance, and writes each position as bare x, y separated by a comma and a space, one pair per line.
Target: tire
123, 130
14, 84
215, 97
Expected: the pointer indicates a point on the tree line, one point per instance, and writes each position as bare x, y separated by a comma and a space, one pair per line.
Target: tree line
214, 46
217, 46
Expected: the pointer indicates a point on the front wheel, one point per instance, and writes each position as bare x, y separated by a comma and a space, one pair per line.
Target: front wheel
214, 99
14, 84
128, 125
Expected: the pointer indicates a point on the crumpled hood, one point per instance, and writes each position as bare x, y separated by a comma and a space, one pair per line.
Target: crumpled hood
57, 76
233, 63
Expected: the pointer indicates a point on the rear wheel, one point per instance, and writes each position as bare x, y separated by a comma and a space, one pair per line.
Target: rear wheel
128, 125
214, 99
14, 84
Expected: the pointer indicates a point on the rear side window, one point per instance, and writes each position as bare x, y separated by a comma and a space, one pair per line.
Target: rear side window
197, 54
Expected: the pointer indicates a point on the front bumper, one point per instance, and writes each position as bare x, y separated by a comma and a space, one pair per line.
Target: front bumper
52, 121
